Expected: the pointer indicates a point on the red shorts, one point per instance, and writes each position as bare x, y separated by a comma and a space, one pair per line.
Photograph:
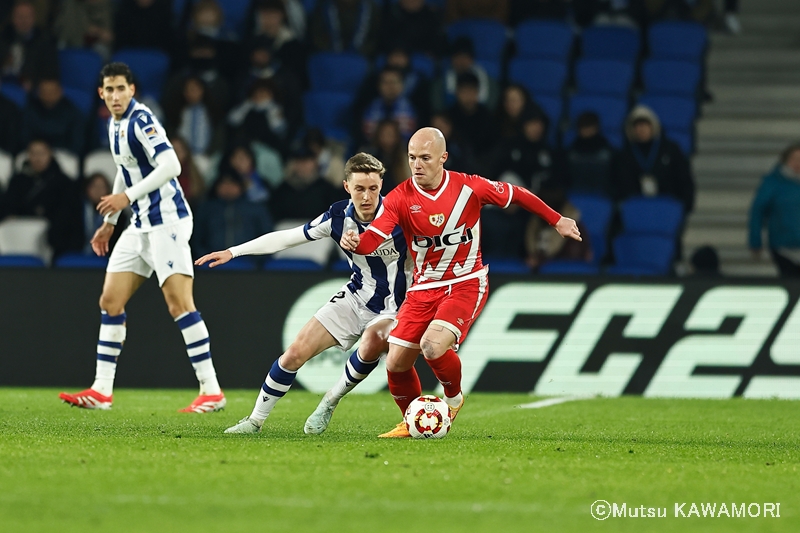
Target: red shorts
454, 306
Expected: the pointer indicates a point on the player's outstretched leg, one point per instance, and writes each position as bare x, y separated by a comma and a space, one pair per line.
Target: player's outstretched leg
447, 370
275, 386
355, 371
404, 387
198, 346
109, 346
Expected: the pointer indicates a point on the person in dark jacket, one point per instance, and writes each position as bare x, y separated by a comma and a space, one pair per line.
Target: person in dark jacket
527, 156
10, 126
304, 193
473, 120
27, 53
777, 205
52, 117
588, 165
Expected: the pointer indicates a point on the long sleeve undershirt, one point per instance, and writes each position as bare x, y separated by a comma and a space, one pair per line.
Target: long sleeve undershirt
271, 242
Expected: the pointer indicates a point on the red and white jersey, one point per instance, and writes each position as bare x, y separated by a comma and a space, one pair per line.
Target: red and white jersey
442, 226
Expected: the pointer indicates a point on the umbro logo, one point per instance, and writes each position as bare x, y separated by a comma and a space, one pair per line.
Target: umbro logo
170, 263
416, 208
460, 321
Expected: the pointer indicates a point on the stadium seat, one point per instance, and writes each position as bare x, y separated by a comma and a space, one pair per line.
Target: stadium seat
317, 251
507, 266
235, 15
493, 68
596, 212
329, 111
100, 161
670, 77
25, 236
682, 40
611, 111
79, 68
15, 93
292, 265
335, 72
17, 261
149, 66
658, 215
420, 63
604, 77
544, 39
489, 37
68, 162
569, 268
539, 76
6, 169
674, 112
83, 100
81, 261
611, 42
642, 255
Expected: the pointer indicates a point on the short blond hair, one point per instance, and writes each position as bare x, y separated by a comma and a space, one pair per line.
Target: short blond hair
363, 162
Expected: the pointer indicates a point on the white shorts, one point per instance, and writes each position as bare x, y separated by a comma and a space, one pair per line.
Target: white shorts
346, 317
165, 250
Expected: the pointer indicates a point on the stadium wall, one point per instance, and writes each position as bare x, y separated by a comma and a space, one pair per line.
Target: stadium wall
686, 338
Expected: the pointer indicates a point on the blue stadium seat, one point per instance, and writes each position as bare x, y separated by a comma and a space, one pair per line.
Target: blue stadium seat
292, 265
330, 71
604, 76
658, 215
611, 111
507, 266
329, 111
596, 212
309, 5
235, 15
79, 68
493, 68
676, 114
670, 77
81, 261
682, 40
488, 36
15, 93
21, 261
149, 66
539, 76
540, 39
611, 42
642, 255
83, 100
569, 268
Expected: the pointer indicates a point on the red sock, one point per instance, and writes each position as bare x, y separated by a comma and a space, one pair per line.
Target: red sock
447, 369
405, 387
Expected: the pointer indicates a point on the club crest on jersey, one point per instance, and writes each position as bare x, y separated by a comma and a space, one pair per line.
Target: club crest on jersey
437, 219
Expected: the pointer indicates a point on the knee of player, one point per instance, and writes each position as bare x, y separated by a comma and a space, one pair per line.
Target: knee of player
294, 357
110, 305
372, 346
177, 309
430, 350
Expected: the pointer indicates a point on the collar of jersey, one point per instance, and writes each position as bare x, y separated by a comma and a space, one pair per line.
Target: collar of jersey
351, 212
128, 111
442, 187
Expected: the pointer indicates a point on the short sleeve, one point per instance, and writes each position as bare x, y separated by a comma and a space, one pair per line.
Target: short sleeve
386, 218
497, 193
151, 135
319, 228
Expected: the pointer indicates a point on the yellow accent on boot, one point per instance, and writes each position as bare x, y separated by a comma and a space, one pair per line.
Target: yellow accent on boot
400, 431
454, 410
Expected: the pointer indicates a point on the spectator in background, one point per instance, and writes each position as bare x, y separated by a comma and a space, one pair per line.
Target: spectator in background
41, 189
731, 17
414, 26
777, 205
588, 165
202, 61
473, 121
477, 9
144, 24
544, 244
612, 12
330, 156
515, 102
52, 117
520, 10
390, 148
527, 156
462, 61
27, 53
260, 118
304, 193
390, 105
227, 218
697, 10
94, 188
85, 23
345, 26
651, 164
285, 49
190, 179
196, 118
207, 21
10, 126
460, 156
705, 263
242, 163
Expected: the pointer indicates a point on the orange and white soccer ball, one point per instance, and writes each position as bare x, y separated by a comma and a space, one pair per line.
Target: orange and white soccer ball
428, 417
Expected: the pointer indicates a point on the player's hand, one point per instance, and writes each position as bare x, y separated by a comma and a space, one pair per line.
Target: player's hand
566, 227
350, 240
217, 258
113, 203
101, 239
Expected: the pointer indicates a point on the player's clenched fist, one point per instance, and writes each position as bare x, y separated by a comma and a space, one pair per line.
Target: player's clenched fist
566, 227
350, 240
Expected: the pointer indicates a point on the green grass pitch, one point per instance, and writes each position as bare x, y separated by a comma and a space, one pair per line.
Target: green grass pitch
143, 467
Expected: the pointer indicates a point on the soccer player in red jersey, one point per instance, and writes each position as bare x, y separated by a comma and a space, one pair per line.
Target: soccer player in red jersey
439, 213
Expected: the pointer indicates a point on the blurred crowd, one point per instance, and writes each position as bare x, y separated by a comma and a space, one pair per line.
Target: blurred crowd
233, 107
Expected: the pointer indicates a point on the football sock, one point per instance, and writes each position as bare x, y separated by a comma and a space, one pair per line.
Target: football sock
405, 387
447, 369
109, 345
355, 371
198, 346
275, 386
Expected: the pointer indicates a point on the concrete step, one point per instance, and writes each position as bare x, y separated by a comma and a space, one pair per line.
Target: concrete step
762, 129
749, 270
719, 236
756, 59
753, 40
767, 6
733, 163
770, 76
704, 219
760, 147
707, 201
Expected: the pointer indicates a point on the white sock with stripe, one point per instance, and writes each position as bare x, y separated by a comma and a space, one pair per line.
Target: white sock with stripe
355, 371
275, 386
198, 346
109, 346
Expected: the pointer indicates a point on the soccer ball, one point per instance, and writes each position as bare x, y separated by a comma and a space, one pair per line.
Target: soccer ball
428, 417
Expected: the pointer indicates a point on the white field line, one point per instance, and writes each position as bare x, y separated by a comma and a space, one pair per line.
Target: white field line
553, 401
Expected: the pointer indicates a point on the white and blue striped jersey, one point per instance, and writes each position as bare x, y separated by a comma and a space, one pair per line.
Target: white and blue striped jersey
379, 279
135, 141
